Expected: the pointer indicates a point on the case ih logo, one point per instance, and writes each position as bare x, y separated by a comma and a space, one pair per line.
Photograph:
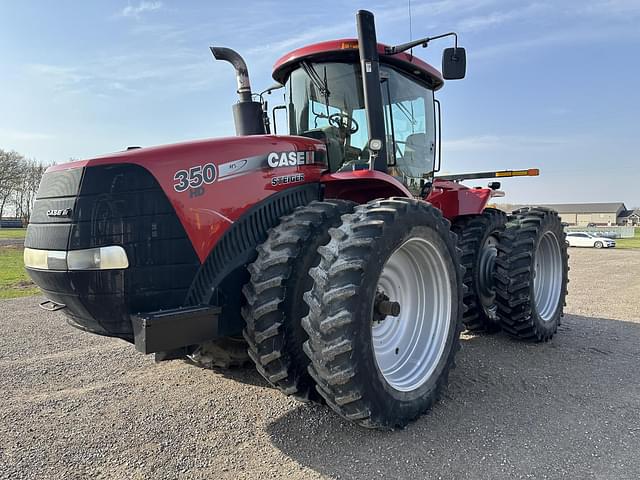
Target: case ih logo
63, 212
289, 159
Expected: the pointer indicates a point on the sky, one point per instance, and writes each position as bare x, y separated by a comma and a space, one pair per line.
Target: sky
553, 85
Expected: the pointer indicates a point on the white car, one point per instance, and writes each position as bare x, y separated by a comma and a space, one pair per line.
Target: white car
584, 239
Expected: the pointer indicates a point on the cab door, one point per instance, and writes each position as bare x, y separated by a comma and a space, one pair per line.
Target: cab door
410, 127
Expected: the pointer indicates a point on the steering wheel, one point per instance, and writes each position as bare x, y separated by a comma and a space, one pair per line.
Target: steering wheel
342, 120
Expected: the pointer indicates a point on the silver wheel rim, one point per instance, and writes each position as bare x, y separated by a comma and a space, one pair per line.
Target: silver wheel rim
408, 348
547, 280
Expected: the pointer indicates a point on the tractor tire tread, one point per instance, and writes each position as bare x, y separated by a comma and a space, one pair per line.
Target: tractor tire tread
515, 274
471, 230
330, 324
275, 344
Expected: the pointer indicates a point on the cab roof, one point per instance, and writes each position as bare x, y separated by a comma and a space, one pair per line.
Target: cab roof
347, 50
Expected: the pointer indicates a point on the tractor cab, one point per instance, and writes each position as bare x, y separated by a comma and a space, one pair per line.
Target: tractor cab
325, 99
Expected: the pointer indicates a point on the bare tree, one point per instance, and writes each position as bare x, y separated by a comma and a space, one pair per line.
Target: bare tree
19, 181
32, 174
11, 171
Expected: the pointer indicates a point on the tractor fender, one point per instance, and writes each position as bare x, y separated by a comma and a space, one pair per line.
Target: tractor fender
455, 199
362, 186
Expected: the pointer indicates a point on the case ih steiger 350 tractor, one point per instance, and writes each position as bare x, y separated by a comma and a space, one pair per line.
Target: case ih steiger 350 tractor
335, 257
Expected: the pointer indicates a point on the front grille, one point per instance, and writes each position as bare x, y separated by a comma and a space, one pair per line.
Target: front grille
112, 205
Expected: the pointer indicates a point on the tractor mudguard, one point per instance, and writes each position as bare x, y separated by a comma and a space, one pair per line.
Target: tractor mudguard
455, 199
361, 186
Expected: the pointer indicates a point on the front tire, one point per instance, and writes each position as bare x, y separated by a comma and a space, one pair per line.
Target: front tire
274, 308
598, 244
532, 274
383, 371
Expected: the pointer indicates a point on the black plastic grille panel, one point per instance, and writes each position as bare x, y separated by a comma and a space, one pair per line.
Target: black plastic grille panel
113, 205
63, 183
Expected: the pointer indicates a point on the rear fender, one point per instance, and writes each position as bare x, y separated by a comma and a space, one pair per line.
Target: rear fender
455, 199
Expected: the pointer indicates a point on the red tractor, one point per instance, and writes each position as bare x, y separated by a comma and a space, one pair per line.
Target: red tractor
336, 256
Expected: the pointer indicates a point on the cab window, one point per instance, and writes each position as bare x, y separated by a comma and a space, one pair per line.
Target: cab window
325, 101
409, 124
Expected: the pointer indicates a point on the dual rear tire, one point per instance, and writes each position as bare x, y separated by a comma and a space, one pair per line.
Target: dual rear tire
532, 274
478, 238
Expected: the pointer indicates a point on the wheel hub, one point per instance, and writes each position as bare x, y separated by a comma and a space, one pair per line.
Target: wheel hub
486, 269
383, 307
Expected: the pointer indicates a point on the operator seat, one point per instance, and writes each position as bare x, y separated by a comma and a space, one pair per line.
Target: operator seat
416, 152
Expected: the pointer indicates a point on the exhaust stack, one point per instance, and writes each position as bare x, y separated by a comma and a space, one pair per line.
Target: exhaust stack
369, 63
247, 114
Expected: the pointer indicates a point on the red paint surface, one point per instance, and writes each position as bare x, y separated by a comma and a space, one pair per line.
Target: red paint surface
410, 61
362, 186
455, 199
205, 218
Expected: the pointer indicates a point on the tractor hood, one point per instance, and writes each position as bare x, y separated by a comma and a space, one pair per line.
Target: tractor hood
210, 183
129, 232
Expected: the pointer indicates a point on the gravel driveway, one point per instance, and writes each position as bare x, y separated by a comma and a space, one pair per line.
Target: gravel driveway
74, 405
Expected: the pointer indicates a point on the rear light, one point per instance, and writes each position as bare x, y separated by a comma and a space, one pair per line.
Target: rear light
102, 258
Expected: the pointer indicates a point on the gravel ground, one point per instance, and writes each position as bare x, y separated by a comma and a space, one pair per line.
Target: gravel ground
74, 405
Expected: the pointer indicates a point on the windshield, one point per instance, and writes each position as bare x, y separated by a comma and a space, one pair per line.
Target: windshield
325, 101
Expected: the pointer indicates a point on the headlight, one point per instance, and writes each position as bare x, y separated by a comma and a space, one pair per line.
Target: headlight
45, 259
102, 258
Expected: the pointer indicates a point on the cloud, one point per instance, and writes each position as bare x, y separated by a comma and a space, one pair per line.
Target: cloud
142, 7
613, 8
59, 76
10, 135
493, 19
304, 38
503, 142
178, 70
387, 15
557, 39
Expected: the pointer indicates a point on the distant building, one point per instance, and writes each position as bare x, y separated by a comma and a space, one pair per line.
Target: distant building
583, 214
630, 217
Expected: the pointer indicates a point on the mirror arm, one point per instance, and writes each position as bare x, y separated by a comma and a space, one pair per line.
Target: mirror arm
423, 41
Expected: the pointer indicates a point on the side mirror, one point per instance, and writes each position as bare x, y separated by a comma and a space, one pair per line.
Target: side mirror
454, 63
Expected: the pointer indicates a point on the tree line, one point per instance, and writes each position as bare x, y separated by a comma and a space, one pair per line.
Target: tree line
19, 181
